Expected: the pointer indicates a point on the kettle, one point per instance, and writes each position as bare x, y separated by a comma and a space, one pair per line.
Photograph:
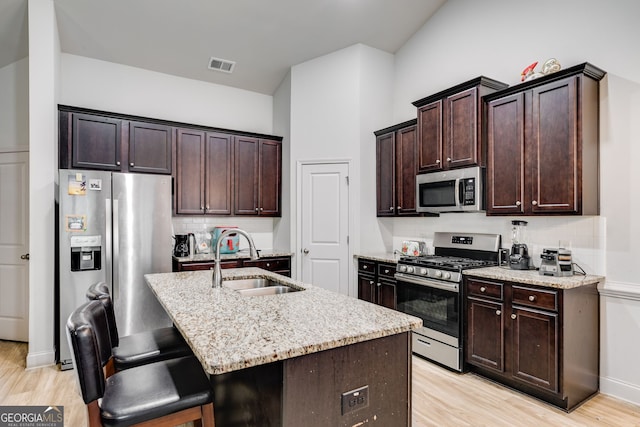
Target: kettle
183, 246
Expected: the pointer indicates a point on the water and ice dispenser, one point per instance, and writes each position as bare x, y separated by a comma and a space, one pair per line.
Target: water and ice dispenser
86, 253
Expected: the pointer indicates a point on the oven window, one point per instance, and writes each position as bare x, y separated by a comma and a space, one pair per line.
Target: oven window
438, 309
434, 194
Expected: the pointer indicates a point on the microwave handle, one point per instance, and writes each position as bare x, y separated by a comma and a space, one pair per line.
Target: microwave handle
459, 192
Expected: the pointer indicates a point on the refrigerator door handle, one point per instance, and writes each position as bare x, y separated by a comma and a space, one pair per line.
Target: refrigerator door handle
115, 267
107, 243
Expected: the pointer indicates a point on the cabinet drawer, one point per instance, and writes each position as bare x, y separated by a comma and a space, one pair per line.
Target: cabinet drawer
387, 270
537, 298
366, 266
193, 266
484, 289
271, 264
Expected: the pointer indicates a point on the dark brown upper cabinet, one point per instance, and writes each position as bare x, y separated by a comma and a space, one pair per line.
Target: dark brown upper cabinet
258, 176
542, 145
203, 172
95, 141
396, 170
450, 126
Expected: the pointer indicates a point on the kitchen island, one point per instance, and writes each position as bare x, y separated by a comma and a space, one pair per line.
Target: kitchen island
311, 357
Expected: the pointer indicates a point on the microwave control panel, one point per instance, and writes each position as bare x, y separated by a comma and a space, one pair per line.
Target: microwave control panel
469, 196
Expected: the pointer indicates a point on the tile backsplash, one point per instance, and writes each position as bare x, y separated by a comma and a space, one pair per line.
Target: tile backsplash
261, 229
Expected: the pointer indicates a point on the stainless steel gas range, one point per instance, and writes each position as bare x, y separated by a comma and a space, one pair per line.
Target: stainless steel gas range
430, 287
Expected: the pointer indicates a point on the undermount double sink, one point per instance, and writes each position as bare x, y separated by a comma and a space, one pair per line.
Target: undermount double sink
258, 286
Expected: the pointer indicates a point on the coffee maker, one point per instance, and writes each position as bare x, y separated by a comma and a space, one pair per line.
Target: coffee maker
519, 258
183, 246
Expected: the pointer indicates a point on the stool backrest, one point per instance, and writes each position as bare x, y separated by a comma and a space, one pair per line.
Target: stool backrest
88, 336
100, 292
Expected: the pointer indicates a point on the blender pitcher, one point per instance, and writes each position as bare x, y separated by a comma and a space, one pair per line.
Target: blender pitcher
519, 258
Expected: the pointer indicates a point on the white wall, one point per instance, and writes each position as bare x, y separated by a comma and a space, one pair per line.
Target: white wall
44, 49
14, 106
499, 38
335, 107
107, 86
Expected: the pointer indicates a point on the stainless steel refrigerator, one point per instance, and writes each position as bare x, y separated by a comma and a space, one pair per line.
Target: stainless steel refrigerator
112, 227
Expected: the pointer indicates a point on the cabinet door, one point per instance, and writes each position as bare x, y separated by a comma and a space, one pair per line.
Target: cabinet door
386, 294
367, 288
96, 142
554, 148
190, 147
270, 178
406, 171
535, 347
461, 129
506, 156
246, 152
218, 177
150, 148
485, 334
385, 174
430, 137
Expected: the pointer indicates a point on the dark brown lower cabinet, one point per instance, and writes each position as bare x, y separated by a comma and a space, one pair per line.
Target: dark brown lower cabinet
280, 264
542, 341
376, 283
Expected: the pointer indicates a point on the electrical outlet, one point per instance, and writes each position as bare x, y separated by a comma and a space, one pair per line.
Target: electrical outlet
355, 399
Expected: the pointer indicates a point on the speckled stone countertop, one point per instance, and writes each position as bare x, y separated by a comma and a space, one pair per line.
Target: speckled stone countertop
532, 277
229, 331
242, 254
381, 257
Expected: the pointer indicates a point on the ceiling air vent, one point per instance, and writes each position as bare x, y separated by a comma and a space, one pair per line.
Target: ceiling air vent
223, 65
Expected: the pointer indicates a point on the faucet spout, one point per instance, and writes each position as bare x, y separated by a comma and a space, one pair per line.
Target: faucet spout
217, 269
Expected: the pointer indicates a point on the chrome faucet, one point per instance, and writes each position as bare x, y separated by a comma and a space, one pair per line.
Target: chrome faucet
217, 269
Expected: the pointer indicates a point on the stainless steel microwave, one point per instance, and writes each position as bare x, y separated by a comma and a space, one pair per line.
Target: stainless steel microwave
456, 190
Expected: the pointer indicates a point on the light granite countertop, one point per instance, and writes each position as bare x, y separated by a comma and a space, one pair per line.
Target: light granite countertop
380, 256
242, 254
532, 277
229, 331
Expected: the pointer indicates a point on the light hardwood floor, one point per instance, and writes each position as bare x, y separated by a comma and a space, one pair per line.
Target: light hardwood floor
440, 398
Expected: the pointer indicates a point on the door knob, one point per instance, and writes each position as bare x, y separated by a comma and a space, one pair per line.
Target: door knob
305, 251
25, 256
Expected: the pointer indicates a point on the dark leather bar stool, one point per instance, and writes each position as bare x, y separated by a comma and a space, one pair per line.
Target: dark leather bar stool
159, 394
140, 348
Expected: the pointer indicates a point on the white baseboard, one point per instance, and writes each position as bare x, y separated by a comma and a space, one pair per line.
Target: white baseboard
620, 390
41, 359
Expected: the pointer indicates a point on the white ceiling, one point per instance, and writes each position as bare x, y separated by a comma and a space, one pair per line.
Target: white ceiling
264, 37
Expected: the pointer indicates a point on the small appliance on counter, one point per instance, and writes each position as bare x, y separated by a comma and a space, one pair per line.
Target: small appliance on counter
231, 243
182, 246
519, 258
556, 262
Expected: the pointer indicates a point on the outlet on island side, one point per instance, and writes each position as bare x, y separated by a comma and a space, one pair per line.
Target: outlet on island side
355, 399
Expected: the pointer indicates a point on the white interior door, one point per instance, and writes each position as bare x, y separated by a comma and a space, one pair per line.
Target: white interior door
325, 225
14, 239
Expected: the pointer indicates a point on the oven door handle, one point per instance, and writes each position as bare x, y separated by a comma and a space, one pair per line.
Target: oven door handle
452, 287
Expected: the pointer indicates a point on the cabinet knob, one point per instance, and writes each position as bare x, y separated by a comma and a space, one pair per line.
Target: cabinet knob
391, 209
378, 284
386, 271
482, 289
364, 267
513, 316
534, 203
257, 209
532, 298
518, 203
131, 164
201, 207
448, 159
261, 209
207, 207
498, 312
268, 265
438, 162
371, 282
117, 163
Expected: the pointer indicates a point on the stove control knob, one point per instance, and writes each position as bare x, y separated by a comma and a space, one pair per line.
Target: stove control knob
447, 275
409, 269
402, 268
423, 271
438, 273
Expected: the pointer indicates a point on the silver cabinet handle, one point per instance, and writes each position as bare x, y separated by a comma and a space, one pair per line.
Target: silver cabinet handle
532, 298
498, 312
25, 257
534, 203
513, 316
482, 289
